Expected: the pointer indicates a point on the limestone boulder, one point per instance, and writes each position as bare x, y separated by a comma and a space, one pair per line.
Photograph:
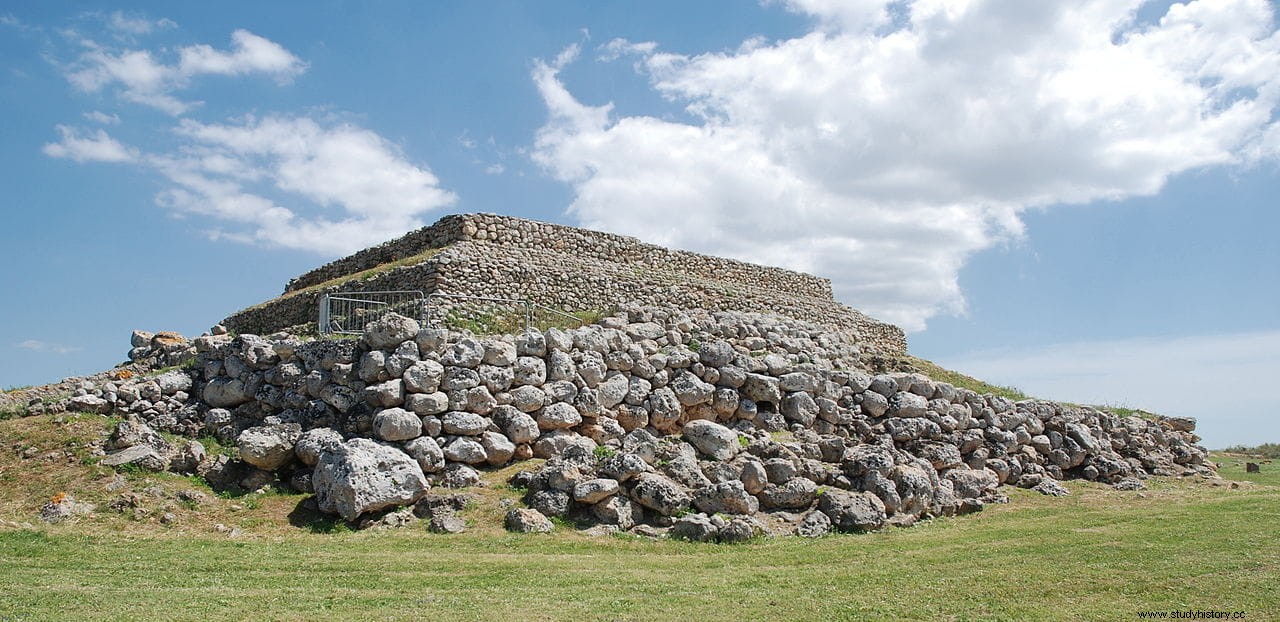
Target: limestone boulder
852, 511
397, 424
712, 439
269, 447
390, 330
361, 476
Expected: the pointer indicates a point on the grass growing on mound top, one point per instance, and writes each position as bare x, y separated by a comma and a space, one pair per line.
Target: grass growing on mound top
484, 322
363, 275
938, 373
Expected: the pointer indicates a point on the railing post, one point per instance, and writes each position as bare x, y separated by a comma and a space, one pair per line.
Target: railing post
323, 328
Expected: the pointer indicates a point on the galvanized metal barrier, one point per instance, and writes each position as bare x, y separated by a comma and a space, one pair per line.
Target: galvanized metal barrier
347, 313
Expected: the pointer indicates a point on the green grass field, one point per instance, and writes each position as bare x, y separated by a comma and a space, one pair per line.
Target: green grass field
1098, 554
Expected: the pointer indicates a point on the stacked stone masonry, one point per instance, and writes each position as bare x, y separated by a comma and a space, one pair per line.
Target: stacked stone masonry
695, 424
574, 270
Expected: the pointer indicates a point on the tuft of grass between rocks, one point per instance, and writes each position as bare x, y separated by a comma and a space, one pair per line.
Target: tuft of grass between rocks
957, 379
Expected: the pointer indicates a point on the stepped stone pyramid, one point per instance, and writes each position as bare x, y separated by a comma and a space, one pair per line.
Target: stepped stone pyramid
570, 269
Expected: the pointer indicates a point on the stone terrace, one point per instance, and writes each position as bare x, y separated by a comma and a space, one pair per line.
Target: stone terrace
571, 269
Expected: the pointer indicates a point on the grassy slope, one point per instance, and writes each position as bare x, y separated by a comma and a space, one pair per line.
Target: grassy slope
1098, 554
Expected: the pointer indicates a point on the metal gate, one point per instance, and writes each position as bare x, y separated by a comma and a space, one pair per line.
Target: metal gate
347, 313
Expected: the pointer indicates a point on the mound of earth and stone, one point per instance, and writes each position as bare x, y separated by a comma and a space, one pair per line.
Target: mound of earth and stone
702, 425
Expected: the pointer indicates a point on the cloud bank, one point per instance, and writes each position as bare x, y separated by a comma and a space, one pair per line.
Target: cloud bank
140, 78
896, 139
292, 181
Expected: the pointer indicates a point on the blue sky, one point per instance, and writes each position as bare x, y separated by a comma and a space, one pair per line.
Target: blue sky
1077, 199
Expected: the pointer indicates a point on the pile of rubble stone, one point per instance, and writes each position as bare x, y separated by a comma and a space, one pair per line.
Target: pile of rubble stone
709, 426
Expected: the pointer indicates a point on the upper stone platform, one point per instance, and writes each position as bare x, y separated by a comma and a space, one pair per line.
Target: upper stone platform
567, 268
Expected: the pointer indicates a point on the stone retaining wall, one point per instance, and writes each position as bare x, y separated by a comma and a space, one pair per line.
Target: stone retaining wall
710, 426
520, 233
574, 278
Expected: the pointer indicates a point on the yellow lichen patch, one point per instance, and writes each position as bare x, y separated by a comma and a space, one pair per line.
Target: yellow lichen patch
168, 338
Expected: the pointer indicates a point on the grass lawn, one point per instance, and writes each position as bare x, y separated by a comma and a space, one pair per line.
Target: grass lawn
1098, 554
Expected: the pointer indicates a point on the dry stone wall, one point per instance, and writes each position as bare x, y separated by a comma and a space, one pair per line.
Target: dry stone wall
575, 270
708, 426
513, 232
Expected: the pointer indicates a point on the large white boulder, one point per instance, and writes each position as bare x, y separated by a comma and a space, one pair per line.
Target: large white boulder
362, 476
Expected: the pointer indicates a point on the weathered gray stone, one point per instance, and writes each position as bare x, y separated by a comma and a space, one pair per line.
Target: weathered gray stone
1051, 487
524, 520
386, 394
594, 490
529, 371
465, 450
558, 416
556, 442
691, 390
388, 331
695, 528
712, 439
427, 453
447, 524
716, 353
617, 510
904, 404
463, 423
760, 388
796, 494
815, 524
529, 398
660, 494
550, 502
725, 498
800, 408
499, 353
498, 449
874, 404
144, 456
466, 352
225, 392
423, 377
269, 447
427, 404
172, 382
397, 424
312, 443
973, 483
623, 466
852, 511
754, 477
373, 366
361, 476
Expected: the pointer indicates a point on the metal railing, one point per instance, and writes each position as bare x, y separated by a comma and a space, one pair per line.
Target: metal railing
347, 313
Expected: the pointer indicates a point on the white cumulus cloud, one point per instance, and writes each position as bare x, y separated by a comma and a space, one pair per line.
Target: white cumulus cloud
144, 79
284, 180
896, 139
351, 188
96, 146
